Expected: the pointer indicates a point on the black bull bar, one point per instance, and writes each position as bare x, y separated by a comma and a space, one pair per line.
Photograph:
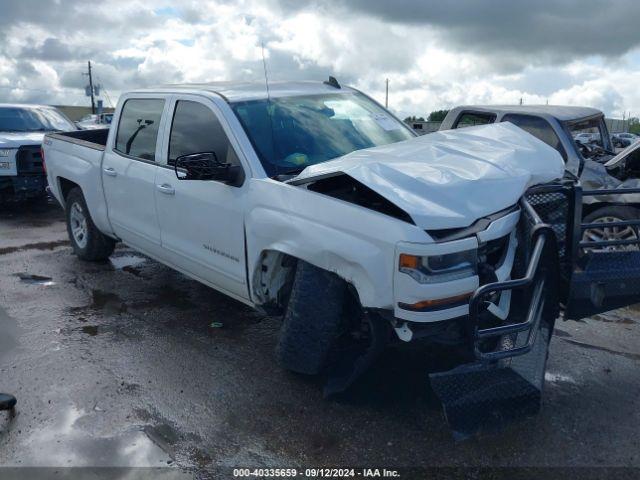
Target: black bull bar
504, 380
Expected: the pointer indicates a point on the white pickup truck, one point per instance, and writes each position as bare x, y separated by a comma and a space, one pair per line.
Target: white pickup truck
314, 202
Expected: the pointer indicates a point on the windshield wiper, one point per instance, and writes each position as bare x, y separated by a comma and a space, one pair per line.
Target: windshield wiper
288, 174
293, 171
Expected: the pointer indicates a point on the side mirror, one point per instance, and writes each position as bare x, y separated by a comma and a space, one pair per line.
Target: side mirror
205, 166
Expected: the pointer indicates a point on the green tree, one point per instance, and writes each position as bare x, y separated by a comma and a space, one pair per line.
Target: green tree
413, 119
437, 115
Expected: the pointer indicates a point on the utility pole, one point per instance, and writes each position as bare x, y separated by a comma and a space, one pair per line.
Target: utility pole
93, 101
386, 96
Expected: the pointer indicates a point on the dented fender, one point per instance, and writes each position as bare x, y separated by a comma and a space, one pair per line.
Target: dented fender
328, 233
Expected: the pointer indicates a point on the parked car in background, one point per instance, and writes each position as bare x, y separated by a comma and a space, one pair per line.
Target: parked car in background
316, 204
22, 128
581, 137
586, 137
95, 121
624, 139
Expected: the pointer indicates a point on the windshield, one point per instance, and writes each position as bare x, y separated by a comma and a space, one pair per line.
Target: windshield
292, 133
16, 119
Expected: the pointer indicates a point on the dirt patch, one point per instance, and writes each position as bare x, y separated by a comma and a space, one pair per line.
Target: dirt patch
34, 246
101, 300
613, 319
632, 356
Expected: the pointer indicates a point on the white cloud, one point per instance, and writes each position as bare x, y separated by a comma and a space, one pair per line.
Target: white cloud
135, 43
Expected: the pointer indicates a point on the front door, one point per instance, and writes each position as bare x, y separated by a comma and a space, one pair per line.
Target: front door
202, 221
129, 173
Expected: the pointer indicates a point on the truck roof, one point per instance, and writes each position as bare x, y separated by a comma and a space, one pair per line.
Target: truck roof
562, 113
241, 91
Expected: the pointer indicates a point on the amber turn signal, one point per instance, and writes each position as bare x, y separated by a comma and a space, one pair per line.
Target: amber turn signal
409, 261
431, 304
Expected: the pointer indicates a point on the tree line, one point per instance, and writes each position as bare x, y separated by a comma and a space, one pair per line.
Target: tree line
435, 116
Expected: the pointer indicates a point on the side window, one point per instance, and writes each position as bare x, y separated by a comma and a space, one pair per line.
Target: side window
539, 128
470, 119
138, 127
196, 129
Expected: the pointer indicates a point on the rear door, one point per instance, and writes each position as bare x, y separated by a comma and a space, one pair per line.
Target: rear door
202, 221
129, 170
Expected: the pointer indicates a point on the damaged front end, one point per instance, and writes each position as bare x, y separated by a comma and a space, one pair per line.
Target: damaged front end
505, 378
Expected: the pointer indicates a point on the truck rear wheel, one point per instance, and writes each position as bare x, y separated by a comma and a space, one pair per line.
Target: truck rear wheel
313, 320
87, 241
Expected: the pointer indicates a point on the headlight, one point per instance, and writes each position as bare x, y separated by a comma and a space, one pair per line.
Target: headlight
6, 152
440, 268
5, 165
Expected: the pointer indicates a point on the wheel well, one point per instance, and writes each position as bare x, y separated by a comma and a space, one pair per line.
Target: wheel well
66, 186
589, 208
273, 279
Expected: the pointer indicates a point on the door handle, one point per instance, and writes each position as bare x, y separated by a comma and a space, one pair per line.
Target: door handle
111, 172
166, 189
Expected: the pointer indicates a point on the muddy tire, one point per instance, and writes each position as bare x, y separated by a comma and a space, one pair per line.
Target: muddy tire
313, 320
88, 242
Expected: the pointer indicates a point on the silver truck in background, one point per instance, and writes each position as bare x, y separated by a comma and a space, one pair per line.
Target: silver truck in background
22, 128
581, 137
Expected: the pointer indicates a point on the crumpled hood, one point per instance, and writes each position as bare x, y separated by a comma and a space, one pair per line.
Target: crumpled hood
17, 139
451, 178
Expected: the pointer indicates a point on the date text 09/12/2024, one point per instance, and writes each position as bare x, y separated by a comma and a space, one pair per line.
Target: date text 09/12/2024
316, 472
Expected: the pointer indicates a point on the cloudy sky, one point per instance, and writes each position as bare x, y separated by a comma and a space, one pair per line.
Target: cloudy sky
436, 54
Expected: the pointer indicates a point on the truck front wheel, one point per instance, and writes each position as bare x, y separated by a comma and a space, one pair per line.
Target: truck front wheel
313, 320
612, 213
87, 241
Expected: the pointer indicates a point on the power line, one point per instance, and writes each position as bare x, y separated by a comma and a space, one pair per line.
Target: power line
106, 94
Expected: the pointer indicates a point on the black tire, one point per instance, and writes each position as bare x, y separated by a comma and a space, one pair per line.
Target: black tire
95, 246
615, 212
313, 320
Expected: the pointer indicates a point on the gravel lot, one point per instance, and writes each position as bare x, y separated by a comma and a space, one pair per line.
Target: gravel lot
123, 364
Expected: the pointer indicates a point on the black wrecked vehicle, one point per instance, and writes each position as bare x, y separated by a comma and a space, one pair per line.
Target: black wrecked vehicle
581, 137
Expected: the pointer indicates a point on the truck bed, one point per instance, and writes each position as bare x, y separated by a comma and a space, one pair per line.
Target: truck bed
75, 159
96, 139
